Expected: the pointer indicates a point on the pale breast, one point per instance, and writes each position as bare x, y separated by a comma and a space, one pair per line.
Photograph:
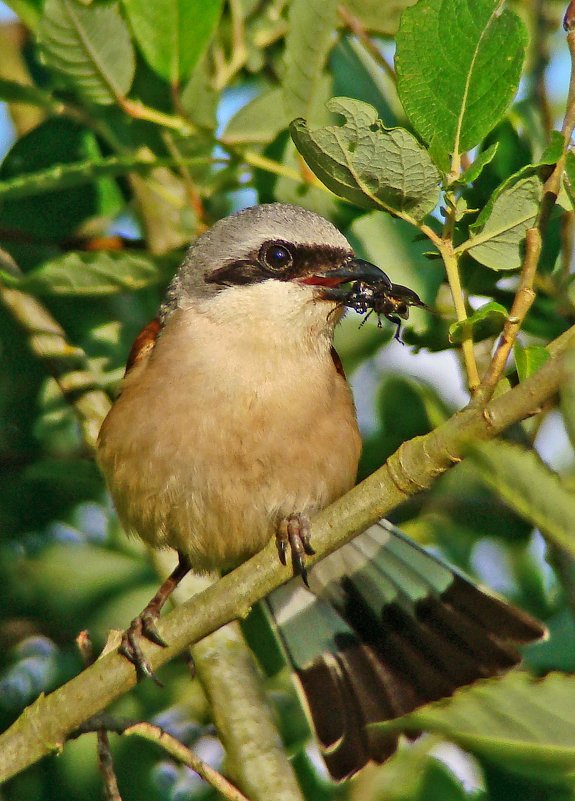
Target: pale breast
212, 442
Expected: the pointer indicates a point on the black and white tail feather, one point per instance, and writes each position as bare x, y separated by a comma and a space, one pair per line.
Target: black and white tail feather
384, 628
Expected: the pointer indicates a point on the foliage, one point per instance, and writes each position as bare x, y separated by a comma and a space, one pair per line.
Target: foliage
155, 120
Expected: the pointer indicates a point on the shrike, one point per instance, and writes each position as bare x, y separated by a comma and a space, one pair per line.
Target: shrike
235, 424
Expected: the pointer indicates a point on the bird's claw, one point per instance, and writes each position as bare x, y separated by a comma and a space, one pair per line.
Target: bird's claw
142, 626
294, 534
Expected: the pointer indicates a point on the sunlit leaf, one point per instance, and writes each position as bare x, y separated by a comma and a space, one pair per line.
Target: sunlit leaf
309, 39
529, 359
530, 488
498, 241
482, 159
485, 322
259, 121
93, 273
91, 46
458, 66
173, 34
520, 723
368, 164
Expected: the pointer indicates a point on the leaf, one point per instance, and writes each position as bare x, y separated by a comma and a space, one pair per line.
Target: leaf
497, 244
528, 487
368, 164
91, 46
473, 172
523, 724
486, 321
529, 359
307, 44
45, 154
259, 121
458, 66
199, 99
173, 34
89, 274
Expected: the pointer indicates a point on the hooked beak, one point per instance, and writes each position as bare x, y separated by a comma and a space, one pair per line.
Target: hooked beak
351, 270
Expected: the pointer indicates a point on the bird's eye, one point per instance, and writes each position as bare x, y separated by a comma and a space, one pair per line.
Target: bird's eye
276, 257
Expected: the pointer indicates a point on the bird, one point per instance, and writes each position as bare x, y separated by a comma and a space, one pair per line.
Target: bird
234, 425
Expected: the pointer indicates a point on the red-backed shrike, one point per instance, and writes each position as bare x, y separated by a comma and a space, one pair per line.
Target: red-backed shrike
235, 424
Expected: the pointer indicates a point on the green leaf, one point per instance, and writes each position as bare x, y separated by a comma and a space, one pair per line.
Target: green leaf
199, 99
530, 488
36, 163
259, 121
568, 396
368, 164
473, 172
529, 359
458, 66
498, 242
93, 273
554, 149
91, 46
487, 321
309, 39
523, 724
173, 34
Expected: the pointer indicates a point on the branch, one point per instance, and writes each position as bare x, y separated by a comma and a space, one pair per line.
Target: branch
45, 725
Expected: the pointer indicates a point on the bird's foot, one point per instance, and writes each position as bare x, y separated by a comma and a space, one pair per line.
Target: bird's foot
142, 626
145, 624
294, 534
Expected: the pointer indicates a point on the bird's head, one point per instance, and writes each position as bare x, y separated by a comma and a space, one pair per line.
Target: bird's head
271, 262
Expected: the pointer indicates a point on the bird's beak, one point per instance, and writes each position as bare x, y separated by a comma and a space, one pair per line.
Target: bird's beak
351, 270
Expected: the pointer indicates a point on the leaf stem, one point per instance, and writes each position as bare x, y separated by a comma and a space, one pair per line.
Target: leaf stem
452, 270
139, 111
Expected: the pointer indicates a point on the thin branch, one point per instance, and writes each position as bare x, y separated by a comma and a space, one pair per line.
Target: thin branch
522, 302
170, 744
45, 725
186, 756
105, 759
355, 25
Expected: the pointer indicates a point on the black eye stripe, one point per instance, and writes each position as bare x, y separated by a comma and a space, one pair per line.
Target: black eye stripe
305, 260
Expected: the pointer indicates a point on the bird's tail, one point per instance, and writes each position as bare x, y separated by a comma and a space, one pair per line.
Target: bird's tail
384, 628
